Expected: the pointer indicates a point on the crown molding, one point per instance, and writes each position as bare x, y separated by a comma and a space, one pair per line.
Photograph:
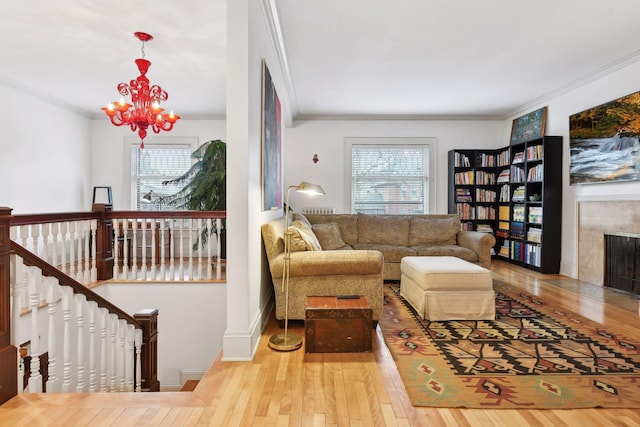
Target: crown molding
274, 29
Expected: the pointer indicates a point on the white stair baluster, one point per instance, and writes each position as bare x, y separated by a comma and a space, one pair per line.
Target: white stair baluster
116, 248
125, 250
92, 312
162, 250
219, 243
130, 357
190, 248
53, 295
81, 237
35, 282
181, 243
134, 256
144, 228
64, 227
172, 271
35, 237
113, 333
67, 295
45, 229
72, 256
153, 225
200, 242
210, 233
138, 343
55, 229
104, 320
80, 301
122, 354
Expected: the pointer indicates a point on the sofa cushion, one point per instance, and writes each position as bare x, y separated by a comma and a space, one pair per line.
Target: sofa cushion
433, 231
329, 236
390, 253
302, 238
383, 229
446, 250
346, 222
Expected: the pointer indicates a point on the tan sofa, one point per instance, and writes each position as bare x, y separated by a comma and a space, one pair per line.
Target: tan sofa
352, 254
318, 273
397, 236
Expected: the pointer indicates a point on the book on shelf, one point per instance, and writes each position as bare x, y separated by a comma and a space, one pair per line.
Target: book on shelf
463, 195
535, 152
504, 249
505, 193
532, 254
486, 160
466, 226
504, 176
502, 158
518, 194
536, 173
517, 174
535, 214
517, 230
485, 212
518, 213
484, 195
461, 160
465, 211
534, 235
484, 228
517, 251
486, 178
464, 177
503, 213
518, 157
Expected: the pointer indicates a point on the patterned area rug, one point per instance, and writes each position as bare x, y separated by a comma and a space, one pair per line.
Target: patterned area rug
531, 356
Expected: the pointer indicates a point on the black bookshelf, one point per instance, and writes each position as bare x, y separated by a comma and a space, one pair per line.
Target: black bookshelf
528, 203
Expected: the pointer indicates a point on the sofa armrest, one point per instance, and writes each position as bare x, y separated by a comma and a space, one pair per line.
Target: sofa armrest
328, 263
480, 243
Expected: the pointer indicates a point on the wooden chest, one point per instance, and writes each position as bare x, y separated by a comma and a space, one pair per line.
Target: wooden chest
335, 325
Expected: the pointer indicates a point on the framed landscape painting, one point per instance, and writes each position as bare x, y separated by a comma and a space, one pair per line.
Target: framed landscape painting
271, 144
529, 127
604, 145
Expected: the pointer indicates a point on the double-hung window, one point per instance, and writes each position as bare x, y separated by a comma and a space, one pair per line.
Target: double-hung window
151, 166
390, 175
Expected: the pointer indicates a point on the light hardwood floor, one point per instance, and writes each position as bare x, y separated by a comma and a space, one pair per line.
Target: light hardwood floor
298, 389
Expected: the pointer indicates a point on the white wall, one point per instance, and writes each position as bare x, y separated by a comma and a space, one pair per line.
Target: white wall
191, 323
44, 154
607, 88
109, 157
326, 138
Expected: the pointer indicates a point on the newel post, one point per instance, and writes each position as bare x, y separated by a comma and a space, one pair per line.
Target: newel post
8, 353
149, 357
104, 244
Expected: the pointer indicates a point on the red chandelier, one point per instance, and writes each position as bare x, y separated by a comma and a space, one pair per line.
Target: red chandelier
145, 111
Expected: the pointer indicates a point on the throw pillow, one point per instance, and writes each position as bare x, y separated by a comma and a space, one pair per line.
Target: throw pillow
432, 231
329, 236
302, 238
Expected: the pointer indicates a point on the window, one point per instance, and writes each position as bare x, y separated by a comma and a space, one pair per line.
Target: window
151, 166
389, 176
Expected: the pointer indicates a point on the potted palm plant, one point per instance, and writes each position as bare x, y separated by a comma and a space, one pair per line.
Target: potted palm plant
205, 185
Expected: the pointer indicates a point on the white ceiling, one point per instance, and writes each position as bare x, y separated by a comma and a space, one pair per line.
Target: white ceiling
357, 58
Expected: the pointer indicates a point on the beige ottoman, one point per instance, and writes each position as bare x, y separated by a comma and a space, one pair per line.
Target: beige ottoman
447, 288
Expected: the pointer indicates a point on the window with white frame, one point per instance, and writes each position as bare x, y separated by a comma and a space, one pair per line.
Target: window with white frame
390, 178
153, 165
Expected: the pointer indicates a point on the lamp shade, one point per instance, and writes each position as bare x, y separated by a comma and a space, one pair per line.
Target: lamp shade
308, 188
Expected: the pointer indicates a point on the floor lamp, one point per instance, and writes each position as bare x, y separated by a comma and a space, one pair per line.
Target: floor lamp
287, 341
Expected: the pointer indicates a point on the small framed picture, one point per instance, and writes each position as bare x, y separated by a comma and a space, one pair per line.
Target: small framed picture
529, 126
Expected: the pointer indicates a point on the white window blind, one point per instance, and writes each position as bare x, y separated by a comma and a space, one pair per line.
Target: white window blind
389, 179
151, 166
